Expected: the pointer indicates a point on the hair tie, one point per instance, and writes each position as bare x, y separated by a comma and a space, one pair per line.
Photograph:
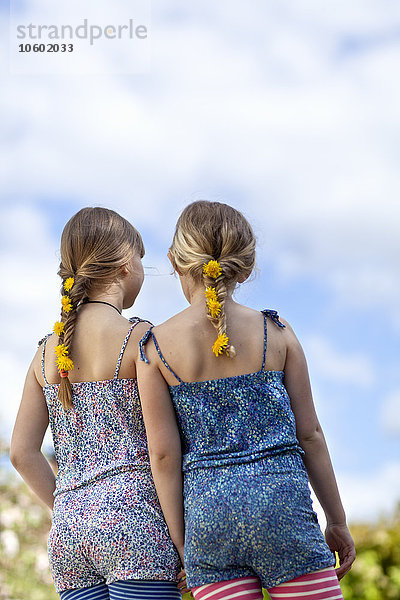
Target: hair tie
63, 373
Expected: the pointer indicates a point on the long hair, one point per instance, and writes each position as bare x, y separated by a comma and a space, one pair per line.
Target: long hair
214, 231
95, 244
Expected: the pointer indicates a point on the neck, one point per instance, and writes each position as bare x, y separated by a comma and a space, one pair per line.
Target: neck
196, 296
115, 298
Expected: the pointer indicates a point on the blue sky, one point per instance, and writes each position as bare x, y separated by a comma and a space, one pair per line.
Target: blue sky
288, 111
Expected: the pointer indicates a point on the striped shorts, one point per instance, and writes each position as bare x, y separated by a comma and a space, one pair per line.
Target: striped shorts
319, 585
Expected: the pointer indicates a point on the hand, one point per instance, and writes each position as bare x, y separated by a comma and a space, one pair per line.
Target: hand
339, 540
182, 585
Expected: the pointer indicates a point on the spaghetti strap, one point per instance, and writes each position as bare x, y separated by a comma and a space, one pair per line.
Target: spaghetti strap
143, 356
273, 315
42, 343
265, 342
134, 321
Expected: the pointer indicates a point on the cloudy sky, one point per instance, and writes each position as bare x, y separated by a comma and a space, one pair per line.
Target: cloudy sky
290, 111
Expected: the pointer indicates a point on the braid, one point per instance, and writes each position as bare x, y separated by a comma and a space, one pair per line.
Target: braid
220, 288
218, 317
68, 318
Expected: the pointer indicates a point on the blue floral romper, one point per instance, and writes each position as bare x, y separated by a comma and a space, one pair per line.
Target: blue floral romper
247, 501
107, 520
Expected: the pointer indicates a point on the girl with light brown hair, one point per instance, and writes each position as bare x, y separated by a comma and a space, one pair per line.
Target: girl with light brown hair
226, 398
108, 537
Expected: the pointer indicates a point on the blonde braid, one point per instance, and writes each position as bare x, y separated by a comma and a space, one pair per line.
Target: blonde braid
218, 319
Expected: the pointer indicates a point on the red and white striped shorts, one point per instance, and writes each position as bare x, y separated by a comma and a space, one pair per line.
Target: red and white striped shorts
319, 585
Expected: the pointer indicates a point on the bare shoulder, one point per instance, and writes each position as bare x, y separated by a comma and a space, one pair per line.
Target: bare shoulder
137, 333
139, 330
47, 343
289, 334
178, 322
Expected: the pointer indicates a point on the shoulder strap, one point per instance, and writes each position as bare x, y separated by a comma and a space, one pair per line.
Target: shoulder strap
273, 315
265, 341
138, 319
149, 333
42, 342
134, 321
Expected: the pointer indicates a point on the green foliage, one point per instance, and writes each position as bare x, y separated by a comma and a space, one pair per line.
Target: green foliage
25, 573
376, 571
23, 558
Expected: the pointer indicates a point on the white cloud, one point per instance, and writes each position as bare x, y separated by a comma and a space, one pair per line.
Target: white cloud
306, 139
331, 364
13, 372
366, 497
390, 415
29, 297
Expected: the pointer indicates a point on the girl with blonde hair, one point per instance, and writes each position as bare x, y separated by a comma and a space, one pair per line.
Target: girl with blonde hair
226, 396
108, 537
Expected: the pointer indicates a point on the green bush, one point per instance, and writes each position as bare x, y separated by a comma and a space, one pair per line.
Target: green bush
25, 525
376, 571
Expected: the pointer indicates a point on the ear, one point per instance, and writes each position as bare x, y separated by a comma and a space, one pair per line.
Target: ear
124, 269
243, 277
172, 263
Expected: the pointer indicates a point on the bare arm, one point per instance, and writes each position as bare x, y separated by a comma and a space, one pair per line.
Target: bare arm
30, 427
316, 457
164, 444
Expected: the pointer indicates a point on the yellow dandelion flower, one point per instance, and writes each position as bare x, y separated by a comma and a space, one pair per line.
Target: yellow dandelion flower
212, 269
214, 307
58, 327
66, 303
68, 284
61, 350
64, 363
210, 293
220, 344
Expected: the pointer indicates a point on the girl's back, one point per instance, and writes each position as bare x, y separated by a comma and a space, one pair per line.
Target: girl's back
103, 433
98, 338
186, 340
237, 417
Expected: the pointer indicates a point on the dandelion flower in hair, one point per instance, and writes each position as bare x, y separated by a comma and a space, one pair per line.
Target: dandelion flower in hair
220, 344
68, 284
61, 350
64, 363
214, 307
212, 269
210, 293
58, 327
66, 303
